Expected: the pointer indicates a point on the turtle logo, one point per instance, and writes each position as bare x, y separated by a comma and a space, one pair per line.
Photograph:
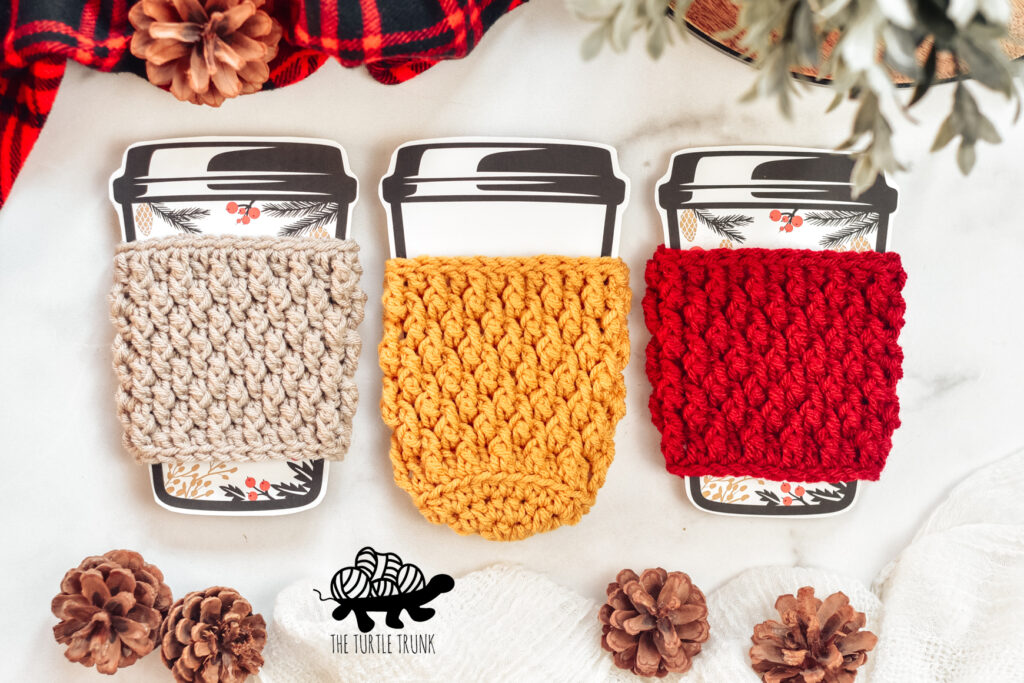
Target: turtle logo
381, 582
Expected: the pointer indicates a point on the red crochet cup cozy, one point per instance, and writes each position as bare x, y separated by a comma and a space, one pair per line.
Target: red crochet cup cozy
775, 363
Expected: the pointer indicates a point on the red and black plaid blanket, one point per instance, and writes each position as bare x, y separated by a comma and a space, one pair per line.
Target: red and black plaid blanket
395, 39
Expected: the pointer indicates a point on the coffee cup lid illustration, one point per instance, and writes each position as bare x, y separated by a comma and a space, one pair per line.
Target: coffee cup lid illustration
503, 197
766, 177
241, 186
744, 182
279, 170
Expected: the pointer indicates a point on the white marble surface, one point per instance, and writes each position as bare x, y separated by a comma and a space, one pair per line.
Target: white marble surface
69, 490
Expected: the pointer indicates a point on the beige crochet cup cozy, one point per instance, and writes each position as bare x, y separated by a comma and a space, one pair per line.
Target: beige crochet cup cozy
236, 348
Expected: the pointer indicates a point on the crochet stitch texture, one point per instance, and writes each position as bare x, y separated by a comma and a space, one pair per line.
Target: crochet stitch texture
503, 385
774, 363
236, 348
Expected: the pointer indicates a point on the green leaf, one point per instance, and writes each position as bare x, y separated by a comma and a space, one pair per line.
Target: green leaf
927, 76
866, 114
655, 9
622, 26
965, 157
803, 34
657, 39
864, 174
947, 131
991, 70
987, 132
594, 41
836, 101
966, 108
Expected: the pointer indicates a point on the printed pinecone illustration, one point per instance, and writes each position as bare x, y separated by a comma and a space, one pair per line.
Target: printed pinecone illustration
213, 636
144, 219
205, 51
110, 608
653, 623
688, 224
816, 641
857, 244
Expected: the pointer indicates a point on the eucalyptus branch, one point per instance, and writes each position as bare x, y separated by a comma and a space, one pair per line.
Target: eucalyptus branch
618, 20
871, 41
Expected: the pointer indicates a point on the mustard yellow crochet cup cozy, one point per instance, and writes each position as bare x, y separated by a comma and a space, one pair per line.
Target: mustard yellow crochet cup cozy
503, 385
236, 348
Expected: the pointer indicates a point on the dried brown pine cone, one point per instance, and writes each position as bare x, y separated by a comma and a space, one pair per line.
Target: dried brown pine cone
206, 51
653, 623
817, 642
110, 608
212, 636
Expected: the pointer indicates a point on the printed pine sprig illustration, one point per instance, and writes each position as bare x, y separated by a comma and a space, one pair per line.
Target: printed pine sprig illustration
724, 226
307, 215
303, 476
298, 488
791, 495
828, 495
183, 219
848, 225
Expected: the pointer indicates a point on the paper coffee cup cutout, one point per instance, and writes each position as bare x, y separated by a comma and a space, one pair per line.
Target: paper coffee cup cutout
495, 197
774, 198
489, 224
239, 186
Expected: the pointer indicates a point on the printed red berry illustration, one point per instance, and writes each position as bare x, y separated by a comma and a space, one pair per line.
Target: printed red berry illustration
785, 487
800, 491
250, 482
252, 495
264, 485
785, 501
246, 212
789, 219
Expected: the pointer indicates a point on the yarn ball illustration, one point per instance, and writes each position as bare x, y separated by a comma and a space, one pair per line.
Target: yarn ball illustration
376, 574
410, 579
366, 559
394, 588
350, 582
384, 587
388, 565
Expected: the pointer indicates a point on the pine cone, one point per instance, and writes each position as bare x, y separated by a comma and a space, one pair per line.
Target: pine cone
110, 608
205, 51
653, 623
816, 641
212, 636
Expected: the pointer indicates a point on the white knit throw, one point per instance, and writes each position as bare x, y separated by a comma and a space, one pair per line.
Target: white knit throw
948, 609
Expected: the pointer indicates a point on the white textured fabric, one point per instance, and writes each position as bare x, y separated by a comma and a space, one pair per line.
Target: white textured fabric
502, 623
948, 609
954, 598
